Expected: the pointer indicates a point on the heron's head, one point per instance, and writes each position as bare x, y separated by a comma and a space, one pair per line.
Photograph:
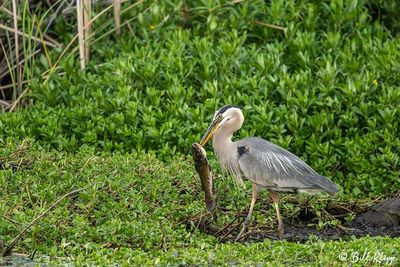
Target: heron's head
227, 120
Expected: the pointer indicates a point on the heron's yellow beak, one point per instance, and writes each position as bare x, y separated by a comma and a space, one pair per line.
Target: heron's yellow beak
211, 130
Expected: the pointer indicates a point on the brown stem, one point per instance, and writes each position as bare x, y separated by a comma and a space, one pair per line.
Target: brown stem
9, 248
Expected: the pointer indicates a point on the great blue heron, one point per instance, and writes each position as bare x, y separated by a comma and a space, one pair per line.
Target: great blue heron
265, 164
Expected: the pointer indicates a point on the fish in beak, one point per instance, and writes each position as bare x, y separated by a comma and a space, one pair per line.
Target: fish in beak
206, 177
214, 126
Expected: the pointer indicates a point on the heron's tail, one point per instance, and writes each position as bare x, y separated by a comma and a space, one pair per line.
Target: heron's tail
326, 184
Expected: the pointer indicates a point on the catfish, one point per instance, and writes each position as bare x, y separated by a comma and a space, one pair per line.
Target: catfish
204, 170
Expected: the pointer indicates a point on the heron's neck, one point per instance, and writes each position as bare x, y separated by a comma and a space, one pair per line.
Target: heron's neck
225, 150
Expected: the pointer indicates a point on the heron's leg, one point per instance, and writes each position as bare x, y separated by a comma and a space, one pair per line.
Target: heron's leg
248, 218
274, 197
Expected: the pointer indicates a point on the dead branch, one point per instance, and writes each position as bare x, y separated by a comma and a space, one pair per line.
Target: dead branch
272, 26
10, 220
4, 27
231, 230
10, 247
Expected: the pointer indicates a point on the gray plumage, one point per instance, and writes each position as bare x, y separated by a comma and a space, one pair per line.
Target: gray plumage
265, 164
277, 169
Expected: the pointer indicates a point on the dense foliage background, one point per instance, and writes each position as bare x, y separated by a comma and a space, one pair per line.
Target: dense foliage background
320, 78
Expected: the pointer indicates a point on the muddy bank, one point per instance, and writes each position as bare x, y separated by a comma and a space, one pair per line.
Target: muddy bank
382, 219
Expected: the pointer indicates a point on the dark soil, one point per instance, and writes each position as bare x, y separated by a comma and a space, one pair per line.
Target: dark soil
382, 219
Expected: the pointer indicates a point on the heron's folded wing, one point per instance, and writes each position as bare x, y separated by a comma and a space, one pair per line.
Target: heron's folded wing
272, 166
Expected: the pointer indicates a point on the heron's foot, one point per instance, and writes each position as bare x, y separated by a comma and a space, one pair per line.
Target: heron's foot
243, 231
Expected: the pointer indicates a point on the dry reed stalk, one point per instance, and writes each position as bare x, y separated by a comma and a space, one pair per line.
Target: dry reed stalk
50, 70
87, 7
5, 10
79, 14
272, 26
18, 70
117, 15
50, 44
14, 104
8, 86
10, 68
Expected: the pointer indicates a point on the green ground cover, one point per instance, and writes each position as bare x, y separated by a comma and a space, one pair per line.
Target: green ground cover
133, 210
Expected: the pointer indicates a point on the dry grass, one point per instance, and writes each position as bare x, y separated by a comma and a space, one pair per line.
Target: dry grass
24, 37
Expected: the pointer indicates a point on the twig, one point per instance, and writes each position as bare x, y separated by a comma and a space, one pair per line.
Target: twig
5, 10
130, 30
53, 17
226, 227
339, 225
4, 106
343, 208
32, 255
5, 3
8, 86
4, 27
54, 41
14, 104
9, 248
9, 219
231, 230
21, 62
233, 2
276, 27
164, 238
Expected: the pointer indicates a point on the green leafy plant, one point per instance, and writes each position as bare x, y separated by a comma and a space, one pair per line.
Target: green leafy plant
317, 78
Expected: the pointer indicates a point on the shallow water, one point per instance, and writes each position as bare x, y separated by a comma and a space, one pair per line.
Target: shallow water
18, 260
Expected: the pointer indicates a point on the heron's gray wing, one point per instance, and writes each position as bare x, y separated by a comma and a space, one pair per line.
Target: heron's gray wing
271, 166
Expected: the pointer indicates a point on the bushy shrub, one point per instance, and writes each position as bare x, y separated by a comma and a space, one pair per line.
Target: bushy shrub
326, 88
